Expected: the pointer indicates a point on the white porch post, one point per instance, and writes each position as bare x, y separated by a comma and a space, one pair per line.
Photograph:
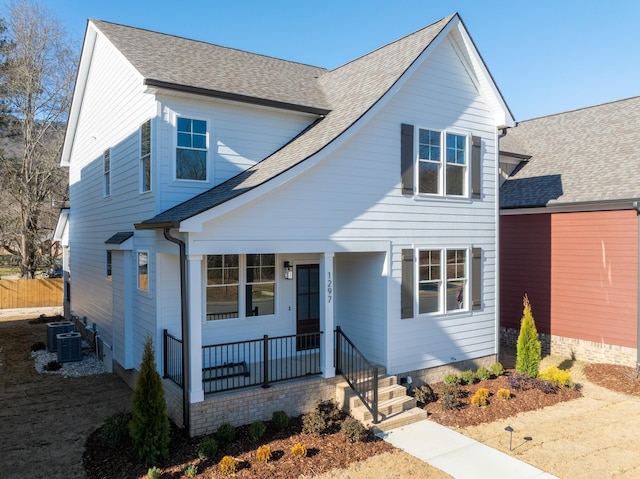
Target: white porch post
327, 300
195, 285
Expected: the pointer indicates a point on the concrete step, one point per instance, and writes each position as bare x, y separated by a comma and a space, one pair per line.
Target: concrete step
386, 409
402, 419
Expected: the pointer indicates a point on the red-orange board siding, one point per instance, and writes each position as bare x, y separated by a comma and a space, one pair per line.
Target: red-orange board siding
591, 277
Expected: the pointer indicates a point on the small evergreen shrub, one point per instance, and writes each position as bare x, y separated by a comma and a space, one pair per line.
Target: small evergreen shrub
190, 471
39, 346
52, 366
503, 394
480, 398
449, 400
153, 473
149, 426
313, 424
424, 394
483, 373
257, 430
467, 377
280, 420
528, 348
299, 450
497, 369
115, 431
519, 382
226, 433
263, 454
207, 448
451, 378
353, 430
228, 465
329, 410
558, 377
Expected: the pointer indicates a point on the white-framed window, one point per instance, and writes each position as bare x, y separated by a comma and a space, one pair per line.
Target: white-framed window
145, 157
443, 162
143, 270
106, 161
192, 142
442, 280
109, 264
240, 286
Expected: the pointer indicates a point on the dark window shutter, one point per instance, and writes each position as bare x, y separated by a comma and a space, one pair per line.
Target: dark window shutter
406, 294
476, 278
406, 159
476, 167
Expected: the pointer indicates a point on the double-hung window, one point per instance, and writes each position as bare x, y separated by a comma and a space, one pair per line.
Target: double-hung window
145, 157
223, 279
191, 150
442, 280
261, 283
442, 163
107, 172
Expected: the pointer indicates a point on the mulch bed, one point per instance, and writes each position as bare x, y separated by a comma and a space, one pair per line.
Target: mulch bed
617, 378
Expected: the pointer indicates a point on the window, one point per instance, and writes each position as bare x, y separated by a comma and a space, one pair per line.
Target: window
145, 157
222, 286
261, 281
442, 280
109, 263
191, 151
143, 270
107, 172
433, 177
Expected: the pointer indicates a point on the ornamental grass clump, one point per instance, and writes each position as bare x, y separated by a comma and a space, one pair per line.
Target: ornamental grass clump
503, 394
529, 348
263, 454
228, 465
299, 450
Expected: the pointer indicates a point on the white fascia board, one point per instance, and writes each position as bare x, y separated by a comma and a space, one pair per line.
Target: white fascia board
195, 223
61, 233
204, 247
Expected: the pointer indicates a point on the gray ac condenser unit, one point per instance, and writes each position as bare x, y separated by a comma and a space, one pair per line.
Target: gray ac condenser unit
69, 347
55, 328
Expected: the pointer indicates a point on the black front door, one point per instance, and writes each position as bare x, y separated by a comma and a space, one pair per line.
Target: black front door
308, 305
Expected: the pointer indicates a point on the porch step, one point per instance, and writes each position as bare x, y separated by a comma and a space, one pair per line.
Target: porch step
386, 409
403, 419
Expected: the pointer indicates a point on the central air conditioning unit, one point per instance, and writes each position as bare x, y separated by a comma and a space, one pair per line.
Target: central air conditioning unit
55, 328
69, 347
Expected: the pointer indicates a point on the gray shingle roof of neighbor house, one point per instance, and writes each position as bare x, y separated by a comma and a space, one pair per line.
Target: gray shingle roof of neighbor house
350, 90
581, 156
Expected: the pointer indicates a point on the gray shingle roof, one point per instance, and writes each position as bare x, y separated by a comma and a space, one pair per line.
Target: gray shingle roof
586, 155
178, 62
119, 237
350, 90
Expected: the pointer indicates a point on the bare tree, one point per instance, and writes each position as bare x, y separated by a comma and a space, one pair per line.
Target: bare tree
36, 79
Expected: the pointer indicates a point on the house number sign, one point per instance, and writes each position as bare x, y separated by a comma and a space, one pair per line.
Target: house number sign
329, 288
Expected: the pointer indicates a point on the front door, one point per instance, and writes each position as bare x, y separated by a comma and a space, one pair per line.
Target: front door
308, 305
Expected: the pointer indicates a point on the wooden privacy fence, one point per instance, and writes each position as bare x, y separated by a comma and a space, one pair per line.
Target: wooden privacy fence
30, 293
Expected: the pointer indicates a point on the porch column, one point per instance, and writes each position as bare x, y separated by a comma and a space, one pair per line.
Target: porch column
327, 300
195, 285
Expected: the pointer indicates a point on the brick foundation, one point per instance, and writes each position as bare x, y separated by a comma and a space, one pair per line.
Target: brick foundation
434, 375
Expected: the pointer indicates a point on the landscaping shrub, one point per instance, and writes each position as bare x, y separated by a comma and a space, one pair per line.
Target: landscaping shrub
451, 378
353, 430
190, 471
228, 465
149, 426
480, 398
257, 430
519, 382
226, 433
497, 369
424, 394
467, 377
154, 473
207, 448
115, 431
483, 373
39, 346
263, 454
279, 420
546, 387
558, 377
450, 396
299, 450
313, 423
529, 348
503, 393
329, 410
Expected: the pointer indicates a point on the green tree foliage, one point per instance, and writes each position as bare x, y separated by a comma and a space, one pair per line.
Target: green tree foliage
529, 349
149, 426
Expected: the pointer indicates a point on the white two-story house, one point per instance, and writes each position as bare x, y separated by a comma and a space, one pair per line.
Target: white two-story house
270, 223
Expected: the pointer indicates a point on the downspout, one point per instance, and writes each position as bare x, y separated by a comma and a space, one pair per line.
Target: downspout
185, 327
636, 207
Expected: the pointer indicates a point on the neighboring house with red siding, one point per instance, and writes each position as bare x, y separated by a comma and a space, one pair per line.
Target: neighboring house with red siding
569, 223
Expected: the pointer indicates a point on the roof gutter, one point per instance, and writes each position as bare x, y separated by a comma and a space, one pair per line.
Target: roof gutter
185, 326
237, 97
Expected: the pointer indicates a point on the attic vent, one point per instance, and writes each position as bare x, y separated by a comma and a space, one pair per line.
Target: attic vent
53, 329
69, 347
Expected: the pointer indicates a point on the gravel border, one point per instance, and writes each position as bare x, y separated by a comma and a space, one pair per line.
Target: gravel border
88, 366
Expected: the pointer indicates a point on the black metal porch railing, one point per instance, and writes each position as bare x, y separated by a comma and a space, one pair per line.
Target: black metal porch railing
172, 358
257, 362
359, 373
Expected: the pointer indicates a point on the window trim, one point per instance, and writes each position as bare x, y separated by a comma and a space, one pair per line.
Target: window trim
149, 155
139, 253
444, 281
208, 161
106, 172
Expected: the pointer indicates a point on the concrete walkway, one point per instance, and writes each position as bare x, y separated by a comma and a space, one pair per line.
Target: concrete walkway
458, 455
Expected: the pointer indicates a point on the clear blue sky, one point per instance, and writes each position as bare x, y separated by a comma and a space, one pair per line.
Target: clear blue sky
546, 56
